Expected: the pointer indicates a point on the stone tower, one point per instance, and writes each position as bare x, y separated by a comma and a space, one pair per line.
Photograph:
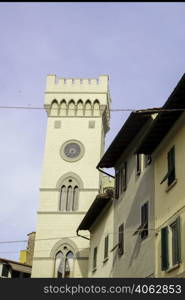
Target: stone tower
78, 119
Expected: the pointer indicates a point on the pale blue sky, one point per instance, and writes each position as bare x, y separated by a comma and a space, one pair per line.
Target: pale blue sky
141, 46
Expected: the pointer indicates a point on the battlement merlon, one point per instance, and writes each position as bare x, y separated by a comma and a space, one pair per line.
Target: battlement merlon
78, 85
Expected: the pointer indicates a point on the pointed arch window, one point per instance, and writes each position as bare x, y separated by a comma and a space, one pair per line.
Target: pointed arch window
64, 261
69, 195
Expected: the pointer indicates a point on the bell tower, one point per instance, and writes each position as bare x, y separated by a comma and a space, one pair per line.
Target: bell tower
78, 119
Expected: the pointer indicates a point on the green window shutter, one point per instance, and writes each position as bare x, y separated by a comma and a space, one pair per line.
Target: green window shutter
121, 240
164, 249
144, 221
106, 246
95, 258
125, 177
171, 165
138, 163
117, 185
170, 175
179, 240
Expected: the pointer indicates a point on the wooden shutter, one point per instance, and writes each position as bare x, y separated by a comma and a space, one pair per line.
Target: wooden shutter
176, 241
117, 185
171, 165
95, 257
170, 175
125, 176
138, 163
164, 249
144, 220
121, 240
106, 247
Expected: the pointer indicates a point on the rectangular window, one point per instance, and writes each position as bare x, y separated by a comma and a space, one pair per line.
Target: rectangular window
121, 240
144, 221
106, 247
170, 245
138, 164
171, 167
5, 270
95, 258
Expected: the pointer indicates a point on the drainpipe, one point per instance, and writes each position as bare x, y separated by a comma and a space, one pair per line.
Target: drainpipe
98, 168
81, 235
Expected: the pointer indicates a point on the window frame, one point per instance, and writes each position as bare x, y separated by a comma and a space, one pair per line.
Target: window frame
171, 174
171, 245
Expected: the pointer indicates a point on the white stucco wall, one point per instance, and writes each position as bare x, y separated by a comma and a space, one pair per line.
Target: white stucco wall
138, 258
170, 203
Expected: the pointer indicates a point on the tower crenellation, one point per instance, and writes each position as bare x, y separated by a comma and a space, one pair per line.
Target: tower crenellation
56, 84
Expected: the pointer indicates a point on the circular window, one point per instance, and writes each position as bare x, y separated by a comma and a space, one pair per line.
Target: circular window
72, 150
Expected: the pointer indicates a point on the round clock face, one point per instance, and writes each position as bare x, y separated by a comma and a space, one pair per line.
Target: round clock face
72, 150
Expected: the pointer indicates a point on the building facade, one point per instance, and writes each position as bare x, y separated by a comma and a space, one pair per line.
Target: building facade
133, 237
26, 256
99, 222
78, 119
166, 143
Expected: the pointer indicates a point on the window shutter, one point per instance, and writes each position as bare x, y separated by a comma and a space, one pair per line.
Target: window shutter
144, 220
95, 257
121, 240
178, 254
171, 165
138, 163
164, 249
106, 246
117, 184
125, 176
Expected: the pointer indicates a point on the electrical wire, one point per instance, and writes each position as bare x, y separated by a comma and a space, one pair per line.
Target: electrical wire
149, 110
75, 236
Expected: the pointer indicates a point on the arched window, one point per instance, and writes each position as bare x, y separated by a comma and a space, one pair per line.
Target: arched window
71, 108
88, 108
54, 108
75, 198
69, 195
96, 108
64, 261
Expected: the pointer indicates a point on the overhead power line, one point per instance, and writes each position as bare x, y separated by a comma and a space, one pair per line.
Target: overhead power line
149, 110
75, 236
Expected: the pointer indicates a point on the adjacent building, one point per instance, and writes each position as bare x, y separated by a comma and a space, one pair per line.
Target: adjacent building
165, 141
14, 269
133, 235
26, 256
99, 222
